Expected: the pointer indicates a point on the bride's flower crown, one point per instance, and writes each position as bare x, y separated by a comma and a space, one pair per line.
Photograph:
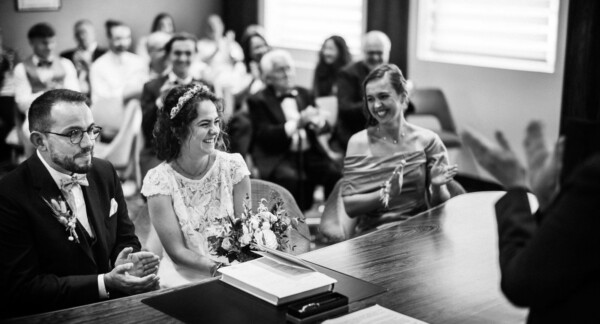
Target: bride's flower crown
186, 97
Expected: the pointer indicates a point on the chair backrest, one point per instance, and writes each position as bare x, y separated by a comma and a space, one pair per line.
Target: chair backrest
433, 102
264, 189
119, 150
329, 106
336, 225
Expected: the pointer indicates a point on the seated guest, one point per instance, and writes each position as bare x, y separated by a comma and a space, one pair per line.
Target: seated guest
180, 51
8, 60
333, 56
285, 124
219, 48
117, 78
239, 127
86, 52
254, 46
392, 169
163, 22
198, 185
548, 261
158, 59
65, 234
41, 72
376, 48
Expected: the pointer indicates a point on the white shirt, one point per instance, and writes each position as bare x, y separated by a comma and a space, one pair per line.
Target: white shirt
81, 211
111, 77
292, 117
23, 92
112, 74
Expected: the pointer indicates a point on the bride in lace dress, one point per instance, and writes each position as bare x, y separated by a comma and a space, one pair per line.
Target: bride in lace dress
196, 188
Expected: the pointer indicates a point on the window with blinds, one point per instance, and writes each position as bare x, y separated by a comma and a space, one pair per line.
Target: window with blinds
508, 34
305, 24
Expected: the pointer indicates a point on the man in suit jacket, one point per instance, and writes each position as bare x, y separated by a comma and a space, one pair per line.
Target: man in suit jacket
549, 262
376, 48
86, 52
285, 124
65, 234
180, 50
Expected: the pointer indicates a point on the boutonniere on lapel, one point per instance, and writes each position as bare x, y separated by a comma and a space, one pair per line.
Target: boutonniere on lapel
63, 216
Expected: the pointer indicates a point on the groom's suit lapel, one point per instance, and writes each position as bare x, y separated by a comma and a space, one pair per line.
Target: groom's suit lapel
47, 189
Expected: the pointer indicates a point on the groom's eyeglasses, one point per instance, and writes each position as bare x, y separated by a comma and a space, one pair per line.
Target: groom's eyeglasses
76, 135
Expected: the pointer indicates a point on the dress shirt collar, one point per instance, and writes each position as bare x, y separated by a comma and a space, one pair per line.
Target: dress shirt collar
36, 59
173, 77
56, 175
90, 49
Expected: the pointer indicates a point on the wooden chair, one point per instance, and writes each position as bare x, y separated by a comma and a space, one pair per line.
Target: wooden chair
432, 103
264, 189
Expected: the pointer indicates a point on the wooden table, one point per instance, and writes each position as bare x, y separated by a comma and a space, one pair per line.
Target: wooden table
439, 267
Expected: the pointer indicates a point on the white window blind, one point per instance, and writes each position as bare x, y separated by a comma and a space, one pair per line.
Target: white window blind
509, 34
305, 24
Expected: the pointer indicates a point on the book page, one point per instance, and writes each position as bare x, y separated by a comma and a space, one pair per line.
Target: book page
374, 314
278, 255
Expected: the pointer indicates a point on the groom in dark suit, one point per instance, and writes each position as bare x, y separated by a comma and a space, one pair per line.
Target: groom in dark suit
65, 235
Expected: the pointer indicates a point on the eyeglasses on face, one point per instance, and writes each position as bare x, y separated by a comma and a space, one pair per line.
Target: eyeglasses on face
76, 135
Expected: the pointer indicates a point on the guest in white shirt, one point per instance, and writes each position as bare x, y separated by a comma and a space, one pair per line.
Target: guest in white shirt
86, 52
41, 72
116, 78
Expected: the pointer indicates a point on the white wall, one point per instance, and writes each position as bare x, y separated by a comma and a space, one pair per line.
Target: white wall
488, 99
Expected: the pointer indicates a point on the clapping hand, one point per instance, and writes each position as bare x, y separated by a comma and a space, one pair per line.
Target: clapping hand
441, 173
144, 263
499, 160
544, 166
133, 273
311, 116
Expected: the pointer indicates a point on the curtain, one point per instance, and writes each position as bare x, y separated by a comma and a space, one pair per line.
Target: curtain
391, 17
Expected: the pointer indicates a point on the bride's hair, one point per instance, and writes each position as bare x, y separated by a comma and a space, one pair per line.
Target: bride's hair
173, 123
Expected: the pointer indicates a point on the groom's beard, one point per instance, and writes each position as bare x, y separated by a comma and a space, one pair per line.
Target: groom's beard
68, 162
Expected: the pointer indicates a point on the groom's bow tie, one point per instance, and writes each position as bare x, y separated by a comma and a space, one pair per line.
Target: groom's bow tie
67, 184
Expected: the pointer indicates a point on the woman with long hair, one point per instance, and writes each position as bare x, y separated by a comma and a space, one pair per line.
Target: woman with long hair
333, 56
198, 188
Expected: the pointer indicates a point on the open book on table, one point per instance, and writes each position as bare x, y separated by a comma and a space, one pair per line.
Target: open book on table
277, 277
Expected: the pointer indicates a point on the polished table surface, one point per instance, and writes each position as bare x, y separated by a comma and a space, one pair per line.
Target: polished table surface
440, 267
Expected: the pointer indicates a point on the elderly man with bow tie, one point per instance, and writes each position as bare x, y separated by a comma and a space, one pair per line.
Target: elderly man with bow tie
65, 235
286, 124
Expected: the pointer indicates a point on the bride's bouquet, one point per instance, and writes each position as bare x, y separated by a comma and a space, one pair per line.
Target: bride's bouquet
269, 226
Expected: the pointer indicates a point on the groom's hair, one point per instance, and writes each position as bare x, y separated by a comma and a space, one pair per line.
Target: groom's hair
40, 111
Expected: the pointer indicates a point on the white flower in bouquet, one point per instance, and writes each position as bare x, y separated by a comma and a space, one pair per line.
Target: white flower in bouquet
227, 244
255, 223
245, 239
266, 238
266, 226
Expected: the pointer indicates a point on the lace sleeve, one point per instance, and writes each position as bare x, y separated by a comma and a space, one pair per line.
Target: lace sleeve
156, 182
238, 168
